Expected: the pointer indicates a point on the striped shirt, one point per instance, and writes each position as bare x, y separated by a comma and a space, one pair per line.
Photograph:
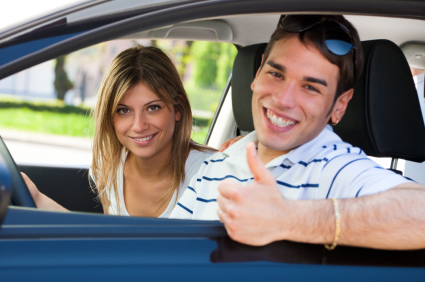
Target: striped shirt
325, 167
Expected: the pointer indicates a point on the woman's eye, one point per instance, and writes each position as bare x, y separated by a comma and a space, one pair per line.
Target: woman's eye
153, 108
123, 111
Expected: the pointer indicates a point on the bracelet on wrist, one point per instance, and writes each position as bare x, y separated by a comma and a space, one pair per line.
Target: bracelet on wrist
337, 225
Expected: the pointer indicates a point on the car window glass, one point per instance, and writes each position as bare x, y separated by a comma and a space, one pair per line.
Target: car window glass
44, 110
415, 170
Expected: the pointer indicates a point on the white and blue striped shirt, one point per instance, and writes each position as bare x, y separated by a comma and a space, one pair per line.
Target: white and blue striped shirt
325, 167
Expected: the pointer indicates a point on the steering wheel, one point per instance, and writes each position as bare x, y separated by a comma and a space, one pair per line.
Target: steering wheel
21, 196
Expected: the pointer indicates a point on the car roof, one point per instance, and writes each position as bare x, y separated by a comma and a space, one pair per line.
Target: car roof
234, 21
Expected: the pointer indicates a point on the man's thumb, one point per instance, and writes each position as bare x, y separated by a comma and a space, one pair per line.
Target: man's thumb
261, 173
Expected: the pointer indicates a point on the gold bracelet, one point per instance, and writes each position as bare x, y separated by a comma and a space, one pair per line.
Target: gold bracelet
337, 225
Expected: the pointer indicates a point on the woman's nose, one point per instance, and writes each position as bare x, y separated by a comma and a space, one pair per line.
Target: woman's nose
140, 123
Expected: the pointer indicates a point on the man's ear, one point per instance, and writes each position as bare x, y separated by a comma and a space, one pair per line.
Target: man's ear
341, 105
258, 72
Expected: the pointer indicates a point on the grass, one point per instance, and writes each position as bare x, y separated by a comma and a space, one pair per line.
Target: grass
60, 119
200, 135
25, 119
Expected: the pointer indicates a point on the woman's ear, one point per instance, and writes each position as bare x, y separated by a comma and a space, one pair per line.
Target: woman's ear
178, 115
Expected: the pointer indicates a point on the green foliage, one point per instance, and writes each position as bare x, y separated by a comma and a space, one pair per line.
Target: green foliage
213, 63
225, 63
205, 56
201, 122
201, 98
200, 135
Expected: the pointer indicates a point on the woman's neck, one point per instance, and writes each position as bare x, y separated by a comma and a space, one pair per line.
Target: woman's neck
150, 168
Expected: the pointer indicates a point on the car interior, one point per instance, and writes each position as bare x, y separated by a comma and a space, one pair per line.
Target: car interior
384, 118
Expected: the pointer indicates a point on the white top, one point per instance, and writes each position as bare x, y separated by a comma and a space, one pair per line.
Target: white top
325, 167
193, 162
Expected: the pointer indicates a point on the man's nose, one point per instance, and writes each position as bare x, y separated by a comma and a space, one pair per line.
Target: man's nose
284, 96
140, 122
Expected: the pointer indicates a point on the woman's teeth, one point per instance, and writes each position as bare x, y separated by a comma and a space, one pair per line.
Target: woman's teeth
144, 139
278, 121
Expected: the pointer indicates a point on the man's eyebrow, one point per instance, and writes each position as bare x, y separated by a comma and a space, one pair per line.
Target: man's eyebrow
276, 66
315, 80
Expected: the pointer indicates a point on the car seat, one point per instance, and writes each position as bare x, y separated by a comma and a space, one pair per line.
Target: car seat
383, 118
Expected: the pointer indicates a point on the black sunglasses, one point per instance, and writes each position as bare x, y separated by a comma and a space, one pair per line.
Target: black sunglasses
338, 39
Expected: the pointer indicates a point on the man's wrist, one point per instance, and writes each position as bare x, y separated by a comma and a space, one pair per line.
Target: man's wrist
308, 221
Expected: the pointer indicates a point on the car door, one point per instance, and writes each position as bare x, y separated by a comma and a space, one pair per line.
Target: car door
41, 245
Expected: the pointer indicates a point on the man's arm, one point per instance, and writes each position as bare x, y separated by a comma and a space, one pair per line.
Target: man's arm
257, 214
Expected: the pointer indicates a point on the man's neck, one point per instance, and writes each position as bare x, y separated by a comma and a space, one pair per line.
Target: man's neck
267, 155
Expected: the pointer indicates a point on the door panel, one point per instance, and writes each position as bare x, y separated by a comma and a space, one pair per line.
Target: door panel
67, 186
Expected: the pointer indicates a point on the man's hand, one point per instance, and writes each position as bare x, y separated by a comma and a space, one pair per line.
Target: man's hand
252, 214
229, 142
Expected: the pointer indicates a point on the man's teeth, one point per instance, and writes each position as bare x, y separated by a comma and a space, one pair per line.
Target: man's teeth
144, 139
278, 121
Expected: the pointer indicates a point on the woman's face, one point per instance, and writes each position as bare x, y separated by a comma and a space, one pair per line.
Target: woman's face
144, 124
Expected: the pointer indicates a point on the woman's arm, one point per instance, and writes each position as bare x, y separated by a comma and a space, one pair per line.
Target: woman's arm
41, 200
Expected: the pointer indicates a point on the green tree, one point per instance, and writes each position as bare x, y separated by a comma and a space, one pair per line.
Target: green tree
225, 63
205, 56
213, 63
62, 82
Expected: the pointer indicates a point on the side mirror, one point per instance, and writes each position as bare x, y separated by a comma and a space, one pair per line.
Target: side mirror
5, 188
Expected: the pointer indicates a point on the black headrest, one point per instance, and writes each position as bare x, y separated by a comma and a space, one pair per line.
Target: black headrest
245, 67
384, 117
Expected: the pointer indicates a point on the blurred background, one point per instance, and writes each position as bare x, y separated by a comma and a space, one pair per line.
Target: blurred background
45, 110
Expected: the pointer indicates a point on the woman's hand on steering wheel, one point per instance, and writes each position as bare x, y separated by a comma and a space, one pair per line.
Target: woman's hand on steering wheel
41, 200
35, 193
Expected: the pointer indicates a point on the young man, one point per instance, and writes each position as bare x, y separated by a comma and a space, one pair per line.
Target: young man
306, 81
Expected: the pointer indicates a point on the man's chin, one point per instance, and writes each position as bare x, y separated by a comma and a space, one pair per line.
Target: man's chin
275, 144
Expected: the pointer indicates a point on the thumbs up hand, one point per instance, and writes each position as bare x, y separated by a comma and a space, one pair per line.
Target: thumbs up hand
253, 214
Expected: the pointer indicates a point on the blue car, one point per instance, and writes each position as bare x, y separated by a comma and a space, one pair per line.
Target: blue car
85, 245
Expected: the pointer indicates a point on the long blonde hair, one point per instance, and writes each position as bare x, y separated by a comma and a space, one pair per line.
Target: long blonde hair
151, 66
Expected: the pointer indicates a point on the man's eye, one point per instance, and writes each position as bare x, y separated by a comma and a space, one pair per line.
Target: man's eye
276, 74
123, 111
153, 108
309, 87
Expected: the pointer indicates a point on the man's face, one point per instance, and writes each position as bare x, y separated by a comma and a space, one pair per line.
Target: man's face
293, 95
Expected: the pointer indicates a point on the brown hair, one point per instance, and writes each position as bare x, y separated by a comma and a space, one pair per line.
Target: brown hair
155, 69
315, 36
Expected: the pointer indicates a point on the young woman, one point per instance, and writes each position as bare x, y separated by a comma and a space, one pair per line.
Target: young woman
143, 157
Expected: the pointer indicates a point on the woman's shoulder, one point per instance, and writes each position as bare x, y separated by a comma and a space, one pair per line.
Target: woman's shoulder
196, 158
195, 154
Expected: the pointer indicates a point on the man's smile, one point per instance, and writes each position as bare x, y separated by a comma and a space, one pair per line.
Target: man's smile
278, 120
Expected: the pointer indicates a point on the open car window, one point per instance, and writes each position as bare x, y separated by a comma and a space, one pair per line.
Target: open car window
45, 116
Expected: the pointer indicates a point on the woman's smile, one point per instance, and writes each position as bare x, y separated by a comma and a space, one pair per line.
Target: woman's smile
143, 141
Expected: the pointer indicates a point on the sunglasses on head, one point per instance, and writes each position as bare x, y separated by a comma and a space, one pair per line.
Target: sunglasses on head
337, 37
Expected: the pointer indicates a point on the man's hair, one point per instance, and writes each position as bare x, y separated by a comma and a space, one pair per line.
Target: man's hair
315, 36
